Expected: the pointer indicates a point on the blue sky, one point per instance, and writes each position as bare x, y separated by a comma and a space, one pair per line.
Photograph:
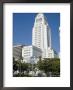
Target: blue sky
22, 28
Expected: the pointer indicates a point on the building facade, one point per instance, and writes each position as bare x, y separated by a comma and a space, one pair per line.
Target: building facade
17, 52
41, 36
31, 52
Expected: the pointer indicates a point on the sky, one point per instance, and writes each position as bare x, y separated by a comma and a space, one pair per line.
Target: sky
22, 28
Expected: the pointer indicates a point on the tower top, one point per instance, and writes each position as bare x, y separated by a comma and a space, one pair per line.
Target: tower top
39, 15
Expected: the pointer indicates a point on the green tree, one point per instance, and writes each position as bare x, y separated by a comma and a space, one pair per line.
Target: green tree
55, 66
43, 65
15, 65
49, 65
24, 66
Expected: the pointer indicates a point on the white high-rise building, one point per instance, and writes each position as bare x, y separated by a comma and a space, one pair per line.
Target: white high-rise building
41, 35
41, 42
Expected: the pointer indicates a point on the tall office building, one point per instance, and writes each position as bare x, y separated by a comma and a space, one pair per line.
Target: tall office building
41, 42
41, 34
